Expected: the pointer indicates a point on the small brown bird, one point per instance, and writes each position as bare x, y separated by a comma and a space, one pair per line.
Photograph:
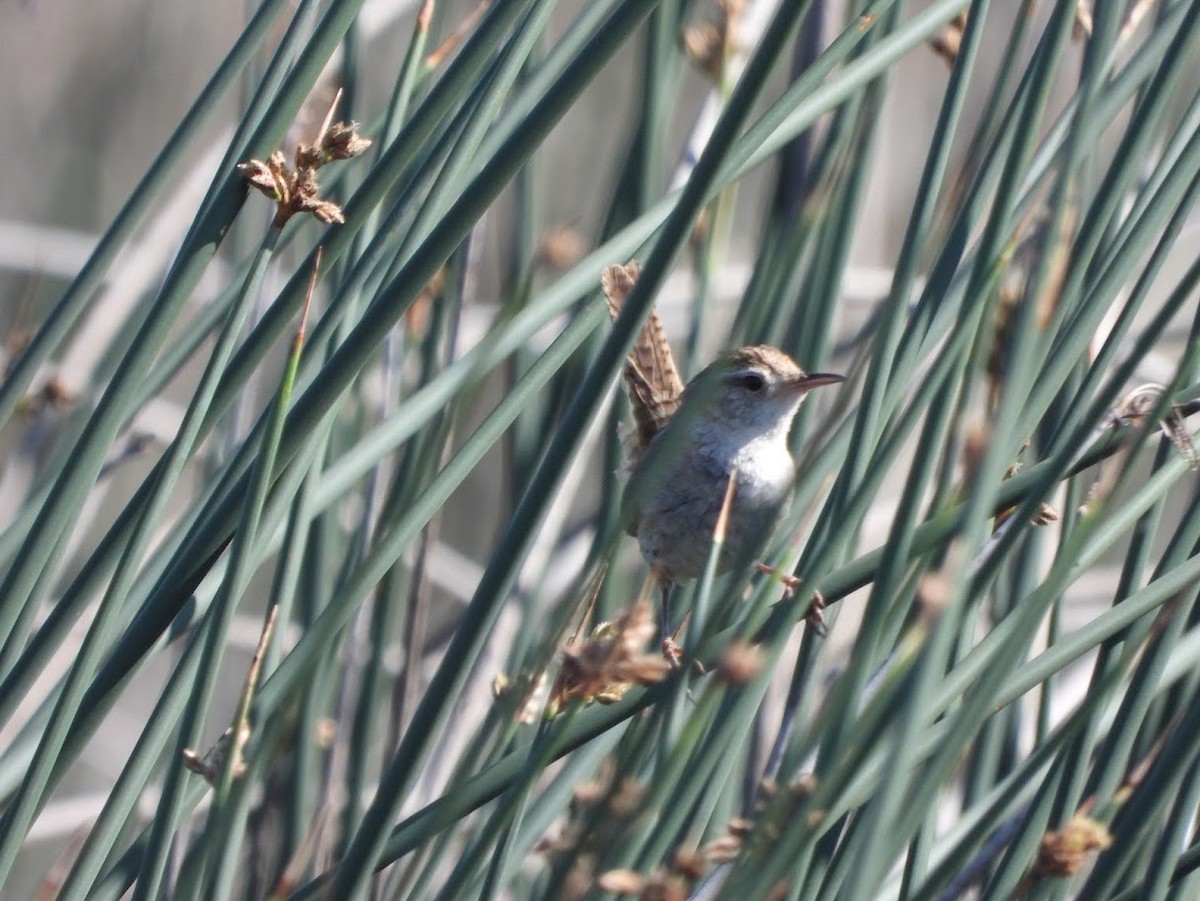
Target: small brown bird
737, 413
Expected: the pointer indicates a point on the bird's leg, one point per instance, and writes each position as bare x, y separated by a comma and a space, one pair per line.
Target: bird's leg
815, 618
669, 648
790, 582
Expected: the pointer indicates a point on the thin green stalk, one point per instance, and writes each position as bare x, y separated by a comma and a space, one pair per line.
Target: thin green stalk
24, 584
74, 301
1160, 870
119, 806
367, 844
513, 812
200, 546
582, 274
232, 588
31, 796
466, 64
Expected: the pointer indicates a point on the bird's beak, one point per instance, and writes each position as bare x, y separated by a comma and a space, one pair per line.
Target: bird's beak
811, 380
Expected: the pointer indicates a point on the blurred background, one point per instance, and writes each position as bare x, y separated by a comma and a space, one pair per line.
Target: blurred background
95, 91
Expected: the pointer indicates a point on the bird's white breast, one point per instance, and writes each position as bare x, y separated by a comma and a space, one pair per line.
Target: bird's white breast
765, 472
679, 513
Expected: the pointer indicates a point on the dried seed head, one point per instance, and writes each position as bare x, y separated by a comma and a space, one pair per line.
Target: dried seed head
524, 694
621, 882
603, 667
327, 212
307, 158
610, 695
946, 43
560, 247
740, 827
803, 787
297, 190
56, 395
258, 174
974, 447
691, 865
1065, 852
626, 800
1045, 515
589, 793
704, 46
271, 176
711, 44
500, 685
661, 887
933, 593
579, 880
723, 849
598, 815
342, 141
740, 663
728, 846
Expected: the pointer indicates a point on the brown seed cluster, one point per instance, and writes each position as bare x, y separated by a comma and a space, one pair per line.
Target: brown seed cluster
523, 694
709, 45
295, 189
677, 879
934, 592
673, 882
740, 663
561, 247
605, 805
947, 42
725, 848
661, 885
1064, 853
603, 666
600, 811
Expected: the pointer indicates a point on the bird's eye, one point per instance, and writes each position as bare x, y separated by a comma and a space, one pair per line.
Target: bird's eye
751, 381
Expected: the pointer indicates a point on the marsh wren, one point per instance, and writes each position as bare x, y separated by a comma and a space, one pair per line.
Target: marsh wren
735, 417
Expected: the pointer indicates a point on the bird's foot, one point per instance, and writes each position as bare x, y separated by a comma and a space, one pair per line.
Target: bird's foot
815, 618
790, 582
